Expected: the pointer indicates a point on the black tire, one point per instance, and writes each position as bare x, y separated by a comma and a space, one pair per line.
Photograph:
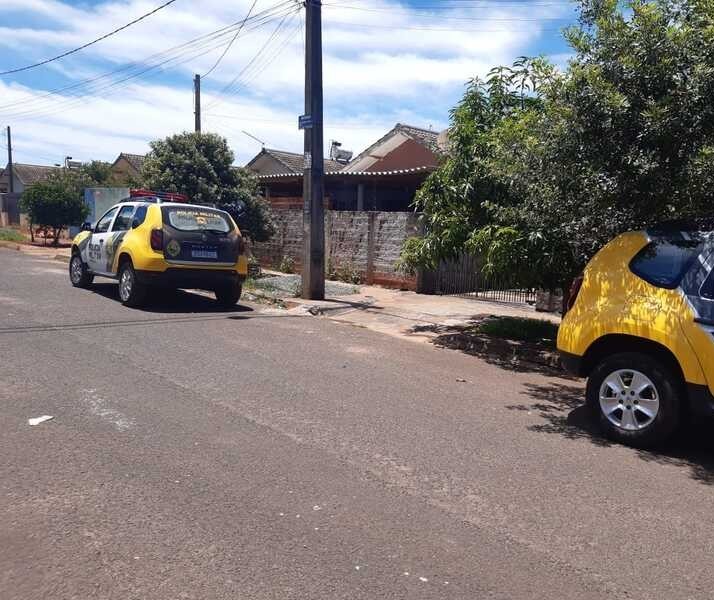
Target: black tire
229, 295
636, 428
131, 292
79, 273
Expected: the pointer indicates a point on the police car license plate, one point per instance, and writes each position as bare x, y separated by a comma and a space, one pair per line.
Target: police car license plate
203, 253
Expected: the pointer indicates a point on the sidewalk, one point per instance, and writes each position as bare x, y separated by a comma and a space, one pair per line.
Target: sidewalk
47, 252
407, 314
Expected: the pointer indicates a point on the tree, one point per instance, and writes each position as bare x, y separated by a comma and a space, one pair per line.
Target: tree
457, 200
200, 165
55, 203
98, 172
623, 139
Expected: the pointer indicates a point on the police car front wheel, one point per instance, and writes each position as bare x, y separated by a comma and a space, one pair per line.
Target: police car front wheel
79, 275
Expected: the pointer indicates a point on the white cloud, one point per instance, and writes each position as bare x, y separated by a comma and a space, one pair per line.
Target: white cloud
383, 65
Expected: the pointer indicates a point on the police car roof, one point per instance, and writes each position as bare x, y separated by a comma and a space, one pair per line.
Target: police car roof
139, 202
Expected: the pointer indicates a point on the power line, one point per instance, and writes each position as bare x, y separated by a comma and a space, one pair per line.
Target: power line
196, 42
233, 39
451, 18
99, 39
444, 29
172, 57
235, 84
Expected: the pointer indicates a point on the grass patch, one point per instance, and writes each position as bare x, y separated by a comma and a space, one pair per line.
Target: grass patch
520, 329
10, 235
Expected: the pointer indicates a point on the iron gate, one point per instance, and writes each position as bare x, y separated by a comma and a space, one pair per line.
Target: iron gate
464, 278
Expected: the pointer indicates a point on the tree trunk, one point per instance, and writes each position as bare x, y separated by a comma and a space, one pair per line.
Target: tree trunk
57, 233
32, 232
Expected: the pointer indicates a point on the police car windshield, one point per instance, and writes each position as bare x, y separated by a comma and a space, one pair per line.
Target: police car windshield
186, 218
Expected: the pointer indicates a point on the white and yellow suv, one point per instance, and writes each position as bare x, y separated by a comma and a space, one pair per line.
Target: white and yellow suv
146, 242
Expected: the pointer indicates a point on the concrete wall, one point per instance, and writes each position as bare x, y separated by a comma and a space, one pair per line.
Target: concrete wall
10, 209
368, 242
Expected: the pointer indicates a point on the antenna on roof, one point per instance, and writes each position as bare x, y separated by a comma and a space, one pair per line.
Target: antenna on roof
261, 142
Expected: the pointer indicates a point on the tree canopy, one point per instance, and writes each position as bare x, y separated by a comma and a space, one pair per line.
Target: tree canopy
56, 202
545, 166
200, 165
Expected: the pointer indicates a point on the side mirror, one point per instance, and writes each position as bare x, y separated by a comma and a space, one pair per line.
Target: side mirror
86, 226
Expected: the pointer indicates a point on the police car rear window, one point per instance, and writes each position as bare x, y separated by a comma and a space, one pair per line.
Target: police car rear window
665, 262
196, 219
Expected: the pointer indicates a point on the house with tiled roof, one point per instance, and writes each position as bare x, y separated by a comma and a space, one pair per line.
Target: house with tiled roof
403, 147
272, 162
384, 177
127, 166
24, 176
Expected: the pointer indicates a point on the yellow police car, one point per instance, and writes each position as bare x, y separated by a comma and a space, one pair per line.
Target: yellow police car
153, 240
640, 326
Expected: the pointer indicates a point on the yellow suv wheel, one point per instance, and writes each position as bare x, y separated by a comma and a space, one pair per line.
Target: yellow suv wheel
636, 397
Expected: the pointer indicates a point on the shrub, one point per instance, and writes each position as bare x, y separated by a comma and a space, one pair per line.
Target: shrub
55, 204
286, 265
346, 272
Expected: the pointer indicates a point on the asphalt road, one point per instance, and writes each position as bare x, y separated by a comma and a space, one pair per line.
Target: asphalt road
248, 455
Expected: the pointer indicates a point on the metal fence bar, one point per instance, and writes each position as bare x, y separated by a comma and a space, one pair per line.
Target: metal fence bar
464, 278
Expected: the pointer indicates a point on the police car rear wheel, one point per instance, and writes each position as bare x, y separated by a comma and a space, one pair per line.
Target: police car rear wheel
78, 273
228, 296
131, 292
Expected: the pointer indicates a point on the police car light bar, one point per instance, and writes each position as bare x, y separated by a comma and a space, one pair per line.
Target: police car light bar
158, 196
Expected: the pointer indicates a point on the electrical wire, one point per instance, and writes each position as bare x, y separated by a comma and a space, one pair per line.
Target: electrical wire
170, 58
156, 58
233, 39
254, 66
88, 44
443, 29
412, 13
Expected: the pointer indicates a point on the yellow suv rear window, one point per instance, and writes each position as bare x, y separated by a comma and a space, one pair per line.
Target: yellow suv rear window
664, 262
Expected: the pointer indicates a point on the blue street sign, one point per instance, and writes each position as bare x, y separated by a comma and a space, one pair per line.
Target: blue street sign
305, 122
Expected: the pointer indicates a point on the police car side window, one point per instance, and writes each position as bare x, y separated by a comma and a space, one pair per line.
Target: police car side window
124, 218
139, 216
105, 221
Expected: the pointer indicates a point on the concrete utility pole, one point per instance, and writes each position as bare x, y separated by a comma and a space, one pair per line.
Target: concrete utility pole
313, 269
11, 171
197, 102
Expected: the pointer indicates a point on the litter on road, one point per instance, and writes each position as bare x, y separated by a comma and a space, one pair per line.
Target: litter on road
38, 420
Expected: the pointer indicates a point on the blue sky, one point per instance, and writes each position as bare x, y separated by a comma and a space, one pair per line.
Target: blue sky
385, 62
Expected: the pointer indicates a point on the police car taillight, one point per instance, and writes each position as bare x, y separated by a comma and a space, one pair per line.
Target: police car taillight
157, 240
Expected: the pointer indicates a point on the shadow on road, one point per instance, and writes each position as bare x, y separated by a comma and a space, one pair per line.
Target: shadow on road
519, 356
561, 407
171, 301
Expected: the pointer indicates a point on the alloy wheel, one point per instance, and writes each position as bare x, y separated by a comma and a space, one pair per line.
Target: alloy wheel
629, 399
125, 284
76, 271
